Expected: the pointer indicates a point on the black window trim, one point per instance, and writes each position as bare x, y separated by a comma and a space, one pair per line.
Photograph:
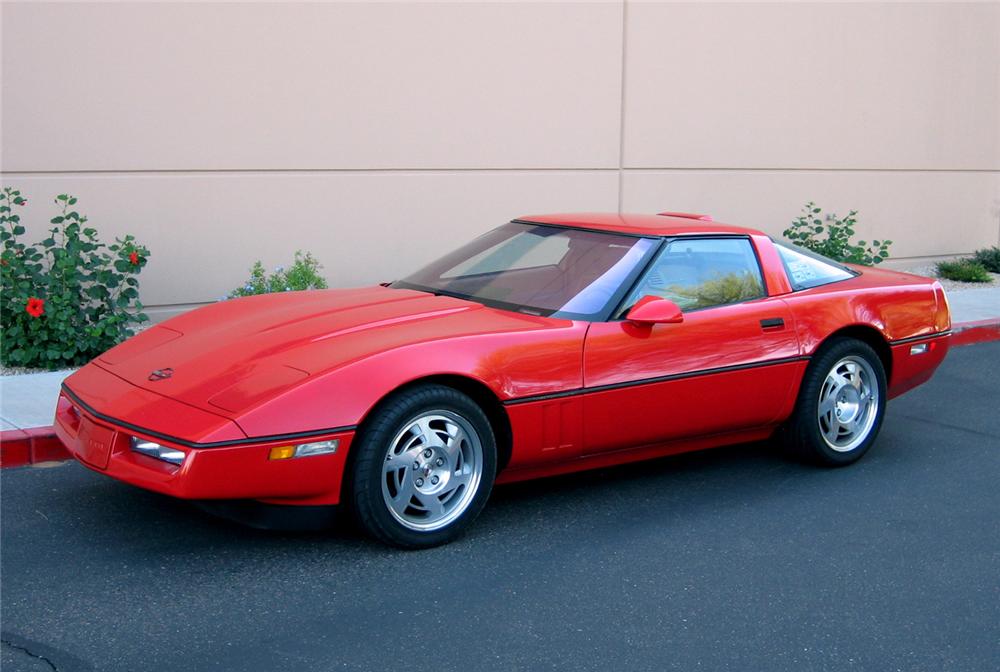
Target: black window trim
618, 300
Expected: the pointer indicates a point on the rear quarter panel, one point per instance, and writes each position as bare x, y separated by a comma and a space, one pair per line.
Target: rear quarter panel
905, 309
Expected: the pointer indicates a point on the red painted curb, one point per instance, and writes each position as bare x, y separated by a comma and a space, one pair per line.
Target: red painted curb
19, 447
969, 333
15, 448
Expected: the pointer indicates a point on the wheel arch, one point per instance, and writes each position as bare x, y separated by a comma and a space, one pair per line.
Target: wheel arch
476, 390
870, 336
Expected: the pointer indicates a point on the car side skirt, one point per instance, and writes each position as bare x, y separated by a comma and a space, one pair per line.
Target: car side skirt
636, 454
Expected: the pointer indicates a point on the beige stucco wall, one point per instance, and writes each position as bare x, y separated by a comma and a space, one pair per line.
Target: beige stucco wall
379, 134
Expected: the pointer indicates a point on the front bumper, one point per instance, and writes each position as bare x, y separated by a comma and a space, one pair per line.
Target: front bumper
240, 471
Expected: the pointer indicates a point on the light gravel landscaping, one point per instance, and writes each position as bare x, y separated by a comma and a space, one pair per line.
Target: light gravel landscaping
953, 285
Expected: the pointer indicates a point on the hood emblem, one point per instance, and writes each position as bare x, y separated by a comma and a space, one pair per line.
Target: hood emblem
160, 374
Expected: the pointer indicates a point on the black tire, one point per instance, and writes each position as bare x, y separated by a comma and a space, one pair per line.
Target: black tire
381, 434
803, 434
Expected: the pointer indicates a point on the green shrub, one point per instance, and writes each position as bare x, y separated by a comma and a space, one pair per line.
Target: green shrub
831, 236
963, 270
302, 274
69, 297
989, 257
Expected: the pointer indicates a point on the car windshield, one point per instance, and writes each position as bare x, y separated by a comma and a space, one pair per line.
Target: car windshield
539, 270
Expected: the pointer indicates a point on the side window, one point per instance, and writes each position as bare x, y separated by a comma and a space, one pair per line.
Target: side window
703, 272
807, 269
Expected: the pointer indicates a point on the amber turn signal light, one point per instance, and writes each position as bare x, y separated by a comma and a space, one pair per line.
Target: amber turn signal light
282, 452
304, 450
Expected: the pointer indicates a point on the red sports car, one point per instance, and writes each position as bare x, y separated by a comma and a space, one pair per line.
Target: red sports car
551, 344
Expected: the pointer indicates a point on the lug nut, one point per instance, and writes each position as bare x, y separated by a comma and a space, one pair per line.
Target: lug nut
416, 465
440, 461
420, 482
428, 453
434, 480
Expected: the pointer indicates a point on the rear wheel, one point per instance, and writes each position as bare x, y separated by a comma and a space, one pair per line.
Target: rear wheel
424, 468
841, 404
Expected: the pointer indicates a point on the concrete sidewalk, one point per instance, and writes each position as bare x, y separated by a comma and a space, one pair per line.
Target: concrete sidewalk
974, 305
29, 401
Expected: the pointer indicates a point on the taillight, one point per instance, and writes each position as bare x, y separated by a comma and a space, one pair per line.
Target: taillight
943, 317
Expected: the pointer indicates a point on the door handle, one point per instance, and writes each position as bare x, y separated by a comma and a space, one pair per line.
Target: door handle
772, 323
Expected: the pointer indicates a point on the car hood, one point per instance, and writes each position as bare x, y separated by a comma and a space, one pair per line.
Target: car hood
235, 354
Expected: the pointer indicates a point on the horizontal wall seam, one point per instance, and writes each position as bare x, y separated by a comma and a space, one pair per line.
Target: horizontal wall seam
615, 169
271, 171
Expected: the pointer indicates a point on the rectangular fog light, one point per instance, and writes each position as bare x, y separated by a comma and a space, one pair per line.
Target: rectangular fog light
304, 450
155, 450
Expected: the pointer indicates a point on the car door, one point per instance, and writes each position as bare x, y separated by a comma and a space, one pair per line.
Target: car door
729, 365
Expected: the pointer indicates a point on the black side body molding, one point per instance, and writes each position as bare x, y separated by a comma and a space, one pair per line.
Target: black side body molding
649, 381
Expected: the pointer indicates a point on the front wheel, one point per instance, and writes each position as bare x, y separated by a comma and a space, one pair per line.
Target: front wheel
841, 404
424, 468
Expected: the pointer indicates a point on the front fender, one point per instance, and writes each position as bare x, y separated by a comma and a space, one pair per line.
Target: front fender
511, 365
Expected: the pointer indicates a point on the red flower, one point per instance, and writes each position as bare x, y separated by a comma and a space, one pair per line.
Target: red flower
35, 307
134, 258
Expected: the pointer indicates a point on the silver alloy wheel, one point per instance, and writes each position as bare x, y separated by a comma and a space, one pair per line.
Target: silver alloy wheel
432, 470
848, 404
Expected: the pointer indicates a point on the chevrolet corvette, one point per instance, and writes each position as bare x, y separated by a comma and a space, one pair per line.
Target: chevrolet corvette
551, 344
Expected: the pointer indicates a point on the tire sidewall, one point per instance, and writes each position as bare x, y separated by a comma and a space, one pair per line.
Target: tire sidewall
374, 442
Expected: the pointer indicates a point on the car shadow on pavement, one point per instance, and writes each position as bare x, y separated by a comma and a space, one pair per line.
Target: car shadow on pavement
664, 487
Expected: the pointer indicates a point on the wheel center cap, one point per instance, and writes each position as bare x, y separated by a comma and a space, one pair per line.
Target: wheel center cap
847, 404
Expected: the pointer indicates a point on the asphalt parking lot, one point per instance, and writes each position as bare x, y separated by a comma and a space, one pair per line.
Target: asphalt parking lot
727, 559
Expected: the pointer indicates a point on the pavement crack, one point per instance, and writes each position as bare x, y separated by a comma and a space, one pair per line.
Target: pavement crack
30, 653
